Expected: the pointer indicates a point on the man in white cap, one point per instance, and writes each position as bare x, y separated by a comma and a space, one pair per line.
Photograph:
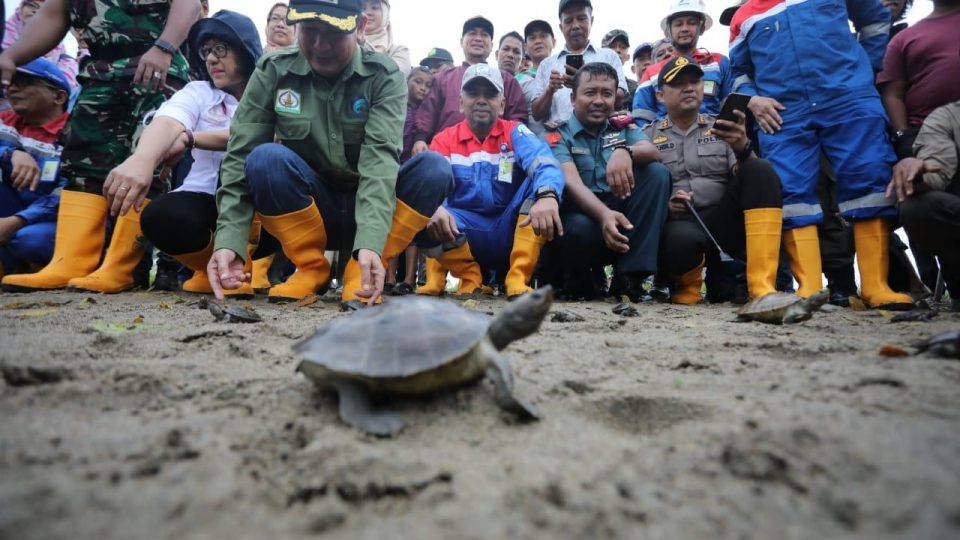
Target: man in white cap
686, 21
505, 205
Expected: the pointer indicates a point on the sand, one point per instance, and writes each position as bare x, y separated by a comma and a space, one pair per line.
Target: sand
677, 423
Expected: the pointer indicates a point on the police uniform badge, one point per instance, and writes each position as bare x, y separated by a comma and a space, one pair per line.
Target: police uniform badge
661, 139
553, 138
288, 101
359, 107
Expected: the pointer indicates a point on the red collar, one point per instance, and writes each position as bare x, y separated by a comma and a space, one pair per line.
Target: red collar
52, 128
464, 133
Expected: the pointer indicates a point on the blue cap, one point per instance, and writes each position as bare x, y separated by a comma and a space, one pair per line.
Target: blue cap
48, 71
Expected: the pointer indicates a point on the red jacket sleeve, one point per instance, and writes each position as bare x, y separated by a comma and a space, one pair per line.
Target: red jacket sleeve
516, 102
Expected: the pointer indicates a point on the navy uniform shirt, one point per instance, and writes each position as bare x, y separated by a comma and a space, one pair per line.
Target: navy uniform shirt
570, 141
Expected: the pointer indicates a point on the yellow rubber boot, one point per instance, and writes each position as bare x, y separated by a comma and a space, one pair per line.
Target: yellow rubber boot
803, 248
523, 259
436, 281
81, 227
303, 238
261, 280
872, 239
197, 261
407, 222
126, 250
764, 228
688, 286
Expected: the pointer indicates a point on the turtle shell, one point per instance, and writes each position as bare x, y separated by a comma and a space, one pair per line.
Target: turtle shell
774, 304
400, 338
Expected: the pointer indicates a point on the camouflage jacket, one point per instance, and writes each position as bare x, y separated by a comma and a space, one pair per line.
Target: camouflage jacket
118, 32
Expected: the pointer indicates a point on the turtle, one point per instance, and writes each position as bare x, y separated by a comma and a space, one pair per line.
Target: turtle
782, 308
945, 345
414, 346
233, 314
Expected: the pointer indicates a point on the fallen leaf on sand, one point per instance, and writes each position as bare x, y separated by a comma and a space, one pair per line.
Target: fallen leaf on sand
857, 304
36, 313
90, 300
893, 351
470, 304
308, 301
21, 305
164, 305
116, 328
138, 319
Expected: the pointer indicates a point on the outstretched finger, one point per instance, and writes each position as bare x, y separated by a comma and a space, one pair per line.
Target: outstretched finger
213, 276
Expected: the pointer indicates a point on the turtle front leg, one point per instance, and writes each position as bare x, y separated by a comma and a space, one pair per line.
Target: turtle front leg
356, 411
499, 372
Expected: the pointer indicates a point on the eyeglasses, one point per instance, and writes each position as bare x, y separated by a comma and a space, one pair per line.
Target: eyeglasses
22, 80
277, 18
219, 51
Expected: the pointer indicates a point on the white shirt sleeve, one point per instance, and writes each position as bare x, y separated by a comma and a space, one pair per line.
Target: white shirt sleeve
614, 60
188, 104
543, 78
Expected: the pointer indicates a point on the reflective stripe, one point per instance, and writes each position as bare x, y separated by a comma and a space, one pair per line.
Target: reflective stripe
532, 168
801, 210
740, 81
874, 200
645, 114
874, 30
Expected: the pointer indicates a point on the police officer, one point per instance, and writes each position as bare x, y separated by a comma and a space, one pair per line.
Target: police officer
713, 167
616, 192
333, 180
135, 64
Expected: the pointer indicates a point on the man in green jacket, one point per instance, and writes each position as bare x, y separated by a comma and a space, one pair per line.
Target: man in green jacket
332, 179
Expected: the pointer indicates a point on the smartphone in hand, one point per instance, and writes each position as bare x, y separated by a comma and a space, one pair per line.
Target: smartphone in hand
734, 102
575, 60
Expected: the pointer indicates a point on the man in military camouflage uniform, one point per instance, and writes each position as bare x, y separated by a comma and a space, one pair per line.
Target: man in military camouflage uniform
134, 65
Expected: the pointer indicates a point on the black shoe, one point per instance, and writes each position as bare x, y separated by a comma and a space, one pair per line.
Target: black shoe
629, 285
842, 286
167, 278
141, 274
388, 288
402, 289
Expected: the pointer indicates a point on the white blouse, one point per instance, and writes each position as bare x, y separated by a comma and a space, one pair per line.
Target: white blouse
201, 107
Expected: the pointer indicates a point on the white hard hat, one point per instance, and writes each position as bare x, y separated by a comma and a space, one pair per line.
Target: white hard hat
688, 6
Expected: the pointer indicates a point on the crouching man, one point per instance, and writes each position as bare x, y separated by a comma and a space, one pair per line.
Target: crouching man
928, 187
617, 193
506, 203
714, 169
333, 180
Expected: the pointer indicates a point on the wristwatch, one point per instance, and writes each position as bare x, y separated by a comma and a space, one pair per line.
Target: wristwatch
743, 155
624, 147
165, 46
546, 192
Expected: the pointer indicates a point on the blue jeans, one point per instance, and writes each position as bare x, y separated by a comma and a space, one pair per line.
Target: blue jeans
31, 245
281, 182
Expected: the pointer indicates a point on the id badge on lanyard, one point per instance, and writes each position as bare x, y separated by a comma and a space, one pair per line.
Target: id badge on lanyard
505, 168
49, 169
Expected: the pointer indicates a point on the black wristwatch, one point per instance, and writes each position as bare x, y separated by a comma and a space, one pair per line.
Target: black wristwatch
743, 155
165, 46
625, 147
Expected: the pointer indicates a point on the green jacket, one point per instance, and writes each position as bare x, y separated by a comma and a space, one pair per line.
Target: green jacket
350, 131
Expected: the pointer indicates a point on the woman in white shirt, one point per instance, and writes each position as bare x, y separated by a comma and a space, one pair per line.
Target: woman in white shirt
196, 119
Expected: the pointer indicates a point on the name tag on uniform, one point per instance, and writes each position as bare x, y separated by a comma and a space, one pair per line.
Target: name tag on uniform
49, 169
666, 146
707, 140
505, 172
710, 88
614, 142
579, 151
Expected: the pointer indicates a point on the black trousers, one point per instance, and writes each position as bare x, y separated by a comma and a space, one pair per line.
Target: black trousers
582, 248
932, 220
685, 244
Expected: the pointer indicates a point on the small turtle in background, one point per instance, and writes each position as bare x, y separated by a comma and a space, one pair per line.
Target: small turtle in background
782, 308
232, 314
944, 345
416, 345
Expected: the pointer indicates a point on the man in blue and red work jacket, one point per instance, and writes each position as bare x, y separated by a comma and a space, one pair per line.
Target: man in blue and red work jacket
813, 88
505, 205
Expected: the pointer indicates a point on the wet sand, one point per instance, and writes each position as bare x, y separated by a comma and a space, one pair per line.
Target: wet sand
675, 424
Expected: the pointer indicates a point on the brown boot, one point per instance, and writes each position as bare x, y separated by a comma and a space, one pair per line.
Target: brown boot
81, 227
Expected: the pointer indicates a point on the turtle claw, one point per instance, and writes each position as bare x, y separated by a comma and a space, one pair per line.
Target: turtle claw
351, 306
525, 411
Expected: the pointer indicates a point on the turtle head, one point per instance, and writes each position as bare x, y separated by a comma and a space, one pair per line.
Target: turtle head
804, 310
521, 317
